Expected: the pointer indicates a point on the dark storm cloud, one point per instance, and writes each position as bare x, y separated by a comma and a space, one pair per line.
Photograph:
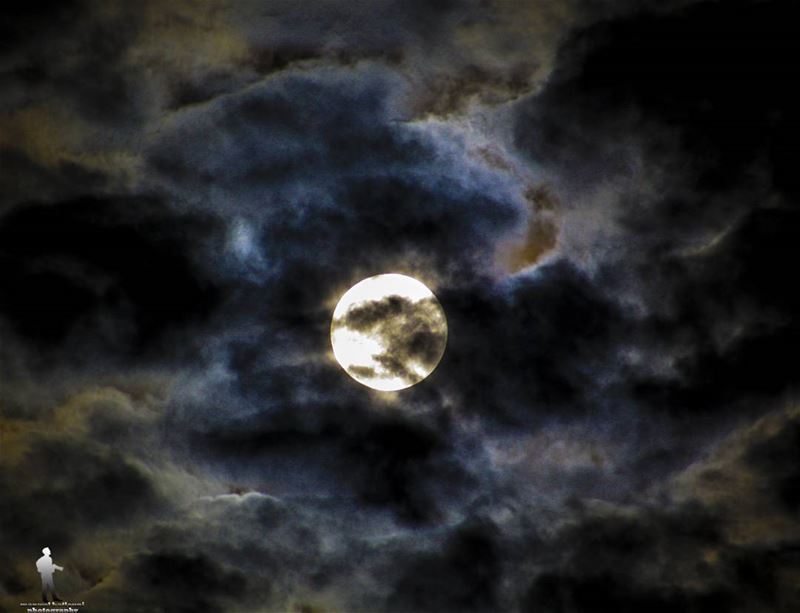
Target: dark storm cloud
742, 280
23, 176
320, 159
565, 454
695, 555
70, 52
553, 326
559, 325
406, 468
331, 188
696, 103
776, 461
684, 550
721, 85
385, 461
177, 581
612, 564
62, 492
268, 545
113, 275
89, 488
453, 51
464, 575
326, 189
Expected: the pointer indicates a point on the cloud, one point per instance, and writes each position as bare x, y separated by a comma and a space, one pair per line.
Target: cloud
331, 189
170, 581
463, 576
602, 198
554, 325
102, 279
411, 332
679, 210
64, 490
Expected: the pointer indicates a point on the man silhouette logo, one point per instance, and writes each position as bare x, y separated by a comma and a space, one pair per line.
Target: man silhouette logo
46, 569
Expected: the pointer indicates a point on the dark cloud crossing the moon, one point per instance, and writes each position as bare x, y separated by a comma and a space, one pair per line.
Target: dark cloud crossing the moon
389, 340
410, 331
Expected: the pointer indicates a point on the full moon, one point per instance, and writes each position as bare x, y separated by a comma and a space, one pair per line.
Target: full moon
388, 332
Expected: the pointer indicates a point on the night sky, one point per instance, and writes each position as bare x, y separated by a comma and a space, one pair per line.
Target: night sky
603, 196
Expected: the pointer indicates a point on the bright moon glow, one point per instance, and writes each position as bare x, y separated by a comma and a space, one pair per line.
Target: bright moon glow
388, 332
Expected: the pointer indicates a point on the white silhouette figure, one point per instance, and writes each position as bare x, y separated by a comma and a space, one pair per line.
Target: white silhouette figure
46, 569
